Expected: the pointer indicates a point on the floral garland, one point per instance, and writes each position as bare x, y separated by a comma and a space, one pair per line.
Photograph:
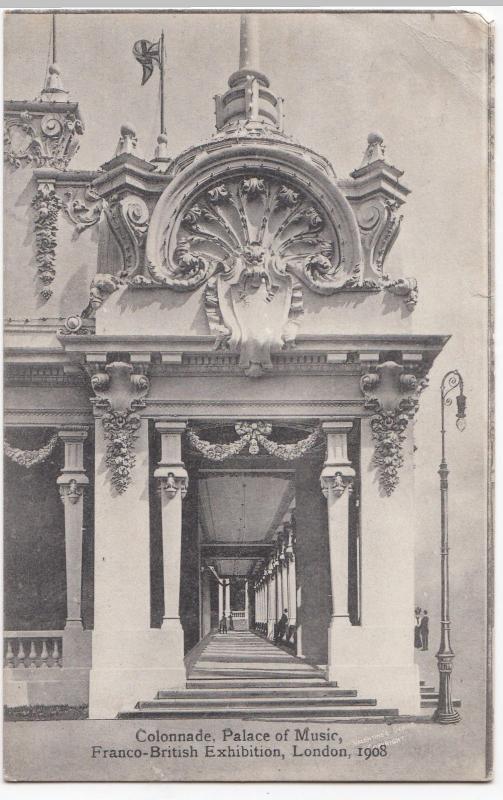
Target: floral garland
120, 432
388, 429
29, 458
252, 435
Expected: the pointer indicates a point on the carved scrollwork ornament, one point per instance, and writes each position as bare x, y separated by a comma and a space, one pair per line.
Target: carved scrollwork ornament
128, 218
83, 207
32, 139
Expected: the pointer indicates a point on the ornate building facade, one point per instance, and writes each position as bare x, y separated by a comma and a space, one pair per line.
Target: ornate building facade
211, 384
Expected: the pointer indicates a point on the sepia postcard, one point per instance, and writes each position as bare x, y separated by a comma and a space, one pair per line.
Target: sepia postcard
247, 396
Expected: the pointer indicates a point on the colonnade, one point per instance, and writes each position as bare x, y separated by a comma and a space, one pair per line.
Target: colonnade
224, 602
129, 658
276, 589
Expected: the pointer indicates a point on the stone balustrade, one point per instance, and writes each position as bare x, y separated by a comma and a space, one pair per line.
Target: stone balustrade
33, 649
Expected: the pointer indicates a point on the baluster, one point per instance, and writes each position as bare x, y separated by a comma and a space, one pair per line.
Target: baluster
32, 657
44, 654
9, 656
55, 652
21, 655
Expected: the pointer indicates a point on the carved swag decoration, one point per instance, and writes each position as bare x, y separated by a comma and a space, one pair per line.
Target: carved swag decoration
30, 458
392, 394
120, 393
253, 436
253, 240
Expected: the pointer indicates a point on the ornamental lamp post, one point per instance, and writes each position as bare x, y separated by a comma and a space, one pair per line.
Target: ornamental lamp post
445, 712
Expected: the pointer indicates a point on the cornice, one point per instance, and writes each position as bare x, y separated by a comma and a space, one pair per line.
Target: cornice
66, 178
44, 106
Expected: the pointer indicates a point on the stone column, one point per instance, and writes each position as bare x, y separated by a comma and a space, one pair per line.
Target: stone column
284, 587
220, 599
76, 641
246, 603
291, 581
205, 604
336, 482
227, 597
278, 582
271, 601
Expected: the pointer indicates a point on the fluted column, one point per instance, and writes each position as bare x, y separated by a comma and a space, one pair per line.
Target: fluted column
72, 483
173, 481
336, 483
247, 610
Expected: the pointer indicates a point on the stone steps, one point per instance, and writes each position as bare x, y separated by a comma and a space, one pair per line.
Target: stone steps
260, 691
267, 711
244, 676
255, 683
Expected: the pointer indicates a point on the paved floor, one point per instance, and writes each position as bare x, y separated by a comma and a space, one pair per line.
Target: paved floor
244, 654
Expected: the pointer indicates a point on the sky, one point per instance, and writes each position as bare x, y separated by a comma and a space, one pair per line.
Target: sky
419, 79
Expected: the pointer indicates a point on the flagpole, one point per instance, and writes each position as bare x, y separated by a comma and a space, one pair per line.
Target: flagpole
163, 129
54, 38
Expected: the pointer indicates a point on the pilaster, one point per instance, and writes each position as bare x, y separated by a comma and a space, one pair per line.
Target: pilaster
72, 483
172, 481
336, 483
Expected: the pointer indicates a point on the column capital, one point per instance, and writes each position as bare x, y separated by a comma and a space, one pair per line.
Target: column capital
171, 426
337, 426
72, 489
336, 483
172, 480
77, 433
337, 474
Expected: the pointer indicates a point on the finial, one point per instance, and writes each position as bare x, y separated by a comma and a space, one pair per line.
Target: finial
249, 42
375, 149
161, 156
127, 141
247, 104
249, 52
53, 84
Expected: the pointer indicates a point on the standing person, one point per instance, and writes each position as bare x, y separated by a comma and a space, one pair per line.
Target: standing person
425, 628
281, 627
222, 628
231, 623
417, 630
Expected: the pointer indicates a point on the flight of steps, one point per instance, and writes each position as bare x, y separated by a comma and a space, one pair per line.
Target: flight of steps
429, 697
240, 674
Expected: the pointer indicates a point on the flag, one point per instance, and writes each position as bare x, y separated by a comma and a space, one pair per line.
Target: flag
147, 54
